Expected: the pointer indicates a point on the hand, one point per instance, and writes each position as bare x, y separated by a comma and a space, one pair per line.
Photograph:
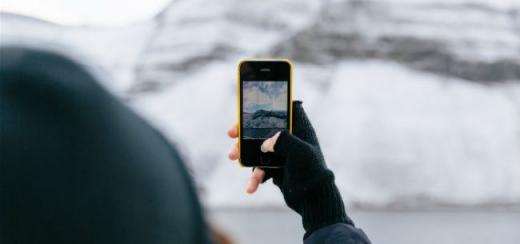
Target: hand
305, 181
258, 174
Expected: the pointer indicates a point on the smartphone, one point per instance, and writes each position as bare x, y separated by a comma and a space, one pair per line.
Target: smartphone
264, 108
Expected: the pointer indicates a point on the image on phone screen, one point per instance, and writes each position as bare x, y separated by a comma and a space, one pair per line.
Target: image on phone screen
264, 108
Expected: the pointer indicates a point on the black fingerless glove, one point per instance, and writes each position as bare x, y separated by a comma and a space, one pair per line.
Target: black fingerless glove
305, 181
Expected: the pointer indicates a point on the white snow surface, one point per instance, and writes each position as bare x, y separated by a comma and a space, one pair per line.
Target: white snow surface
394, 135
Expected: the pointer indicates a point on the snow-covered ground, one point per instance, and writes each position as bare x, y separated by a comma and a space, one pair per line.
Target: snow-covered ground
416, 103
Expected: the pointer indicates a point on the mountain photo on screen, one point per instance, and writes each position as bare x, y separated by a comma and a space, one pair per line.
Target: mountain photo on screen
264, 108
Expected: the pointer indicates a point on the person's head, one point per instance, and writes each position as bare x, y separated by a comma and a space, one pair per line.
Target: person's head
77, 166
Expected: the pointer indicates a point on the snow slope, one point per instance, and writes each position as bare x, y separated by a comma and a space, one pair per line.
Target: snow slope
416, 103
444, 141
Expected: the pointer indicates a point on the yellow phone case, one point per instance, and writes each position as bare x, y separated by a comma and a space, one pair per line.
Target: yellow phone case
240, 87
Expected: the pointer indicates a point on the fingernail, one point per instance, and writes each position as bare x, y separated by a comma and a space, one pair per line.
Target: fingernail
249, 188
263, 147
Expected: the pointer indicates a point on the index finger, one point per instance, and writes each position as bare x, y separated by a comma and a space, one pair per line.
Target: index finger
233, 132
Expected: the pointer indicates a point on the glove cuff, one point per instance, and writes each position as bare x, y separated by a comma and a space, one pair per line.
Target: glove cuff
323, 206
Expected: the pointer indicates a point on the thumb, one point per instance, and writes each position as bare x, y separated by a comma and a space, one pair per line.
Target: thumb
302, 127
283, 144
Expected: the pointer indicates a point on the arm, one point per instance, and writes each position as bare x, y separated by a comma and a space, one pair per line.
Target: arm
306, 183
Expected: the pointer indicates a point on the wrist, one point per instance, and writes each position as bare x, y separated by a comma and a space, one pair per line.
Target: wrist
322, 206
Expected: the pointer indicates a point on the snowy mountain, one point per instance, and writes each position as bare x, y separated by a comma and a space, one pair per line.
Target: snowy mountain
473, 40
415, 102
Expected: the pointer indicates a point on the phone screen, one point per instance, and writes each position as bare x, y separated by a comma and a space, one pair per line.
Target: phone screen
265, 109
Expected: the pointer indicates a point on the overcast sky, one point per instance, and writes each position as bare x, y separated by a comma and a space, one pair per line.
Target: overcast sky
86, 12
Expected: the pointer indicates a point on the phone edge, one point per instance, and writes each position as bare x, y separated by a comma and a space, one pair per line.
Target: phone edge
239, 86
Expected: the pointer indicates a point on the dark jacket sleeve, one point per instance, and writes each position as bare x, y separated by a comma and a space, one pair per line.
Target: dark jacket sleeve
336, 234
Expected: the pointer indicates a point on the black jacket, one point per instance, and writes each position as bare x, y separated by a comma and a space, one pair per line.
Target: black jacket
337, 234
